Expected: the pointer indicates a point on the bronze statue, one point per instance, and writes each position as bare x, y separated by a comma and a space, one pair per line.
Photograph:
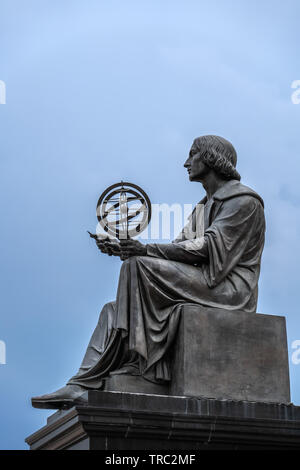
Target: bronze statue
220, 269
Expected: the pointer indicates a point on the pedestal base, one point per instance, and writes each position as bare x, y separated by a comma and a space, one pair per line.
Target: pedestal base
130, 421
231, 355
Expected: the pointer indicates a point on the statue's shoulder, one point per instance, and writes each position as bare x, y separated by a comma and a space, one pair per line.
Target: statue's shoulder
234, 189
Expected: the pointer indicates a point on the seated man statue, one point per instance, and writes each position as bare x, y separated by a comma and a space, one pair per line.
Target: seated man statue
217, 268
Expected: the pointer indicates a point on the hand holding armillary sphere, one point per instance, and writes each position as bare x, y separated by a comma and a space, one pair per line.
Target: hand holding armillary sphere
123, 211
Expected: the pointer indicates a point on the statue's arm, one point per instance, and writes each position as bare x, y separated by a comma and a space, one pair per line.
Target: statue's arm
189, 251
223, 243
184, 248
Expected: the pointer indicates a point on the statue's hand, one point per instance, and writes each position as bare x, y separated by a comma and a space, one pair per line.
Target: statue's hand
132, 248
109, 247
106, 244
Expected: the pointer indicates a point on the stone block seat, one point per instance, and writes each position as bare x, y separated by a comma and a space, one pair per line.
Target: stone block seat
223, 354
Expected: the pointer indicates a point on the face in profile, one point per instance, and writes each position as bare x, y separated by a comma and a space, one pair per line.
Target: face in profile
196, 168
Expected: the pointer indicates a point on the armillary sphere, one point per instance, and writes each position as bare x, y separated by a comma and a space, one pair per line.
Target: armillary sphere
124, 210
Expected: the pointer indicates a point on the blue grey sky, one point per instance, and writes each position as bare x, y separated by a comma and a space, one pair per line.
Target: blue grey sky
100, 91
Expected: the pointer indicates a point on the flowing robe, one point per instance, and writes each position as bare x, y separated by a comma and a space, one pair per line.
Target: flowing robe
218, 269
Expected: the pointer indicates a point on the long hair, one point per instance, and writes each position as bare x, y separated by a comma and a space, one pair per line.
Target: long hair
217, 153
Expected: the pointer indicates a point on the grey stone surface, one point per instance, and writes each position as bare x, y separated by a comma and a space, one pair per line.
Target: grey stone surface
231, 355
126, 421
134, 384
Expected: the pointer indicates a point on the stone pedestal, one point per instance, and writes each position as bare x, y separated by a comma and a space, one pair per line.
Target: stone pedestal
229, 390
231, 355
127, 421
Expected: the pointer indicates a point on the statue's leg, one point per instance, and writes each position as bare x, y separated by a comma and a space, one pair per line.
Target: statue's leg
150, 296
105, 351
143, 321
99, 338
148, 312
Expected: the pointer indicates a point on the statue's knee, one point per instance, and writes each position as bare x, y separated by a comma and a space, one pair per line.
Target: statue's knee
106, 310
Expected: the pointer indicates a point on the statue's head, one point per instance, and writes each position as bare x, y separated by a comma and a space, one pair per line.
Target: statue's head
211, 152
